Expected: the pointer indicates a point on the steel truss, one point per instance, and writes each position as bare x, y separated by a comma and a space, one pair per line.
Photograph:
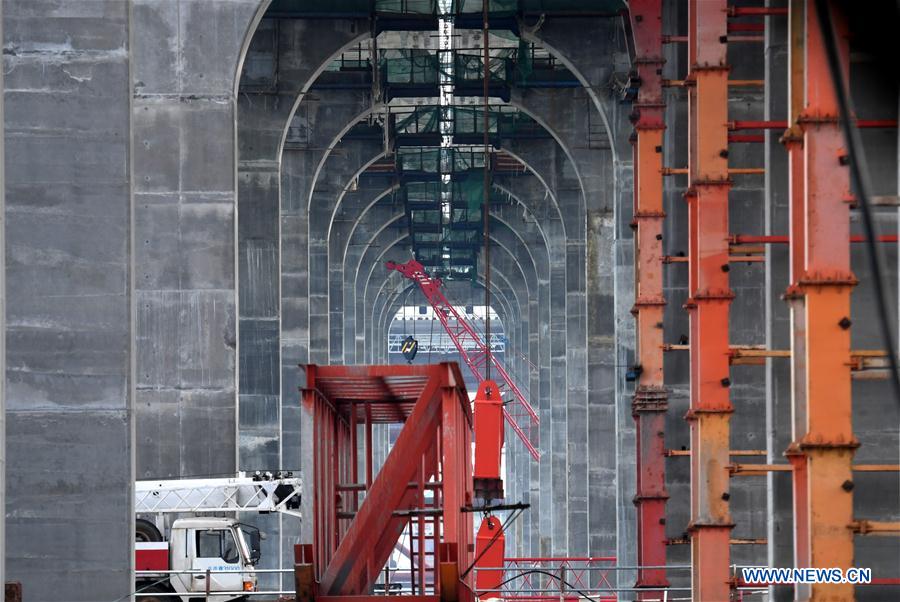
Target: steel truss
473, 351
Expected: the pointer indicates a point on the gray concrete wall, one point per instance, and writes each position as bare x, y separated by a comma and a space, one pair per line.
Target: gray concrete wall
69, 315
2, 332
185, 66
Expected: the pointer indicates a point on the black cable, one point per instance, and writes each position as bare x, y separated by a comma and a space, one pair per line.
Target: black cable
141, 590
858, 173
493, 540
571, 587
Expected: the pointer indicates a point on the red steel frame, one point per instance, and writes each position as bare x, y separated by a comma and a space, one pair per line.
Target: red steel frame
710, 300
462, 335
352, 541
581, 573
651, 398
821, 279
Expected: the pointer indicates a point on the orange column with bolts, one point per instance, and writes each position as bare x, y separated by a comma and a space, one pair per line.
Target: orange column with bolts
650, 398
824, 442
710, 300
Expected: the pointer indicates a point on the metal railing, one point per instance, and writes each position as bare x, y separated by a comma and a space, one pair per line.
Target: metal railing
545, 579
207, 574
537, 579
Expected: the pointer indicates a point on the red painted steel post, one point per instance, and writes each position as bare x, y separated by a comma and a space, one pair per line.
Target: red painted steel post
651, 399
824, 442
709, 301
354, 458
490, 544
488, 481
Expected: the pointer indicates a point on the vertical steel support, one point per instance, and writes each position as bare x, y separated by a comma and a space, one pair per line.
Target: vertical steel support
824, 443
354, 459
709, 301
369, 456
793, 142
651, 399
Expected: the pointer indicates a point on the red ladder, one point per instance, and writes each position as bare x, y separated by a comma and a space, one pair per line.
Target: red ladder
471, 348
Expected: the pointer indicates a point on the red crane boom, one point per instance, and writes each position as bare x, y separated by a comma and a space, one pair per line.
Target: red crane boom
471, 348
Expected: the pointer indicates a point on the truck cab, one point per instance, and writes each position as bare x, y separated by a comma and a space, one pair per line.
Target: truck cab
227, 548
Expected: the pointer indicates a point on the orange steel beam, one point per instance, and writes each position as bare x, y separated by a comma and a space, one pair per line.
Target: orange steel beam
745, 171
709, 301
760, 469
821, 282
666, 259
651, 398
873, 527
678, 541
734, 452
732, 83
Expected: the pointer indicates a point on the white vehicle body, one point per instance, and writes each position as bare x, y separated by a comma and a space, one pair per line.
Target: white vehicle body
192, 545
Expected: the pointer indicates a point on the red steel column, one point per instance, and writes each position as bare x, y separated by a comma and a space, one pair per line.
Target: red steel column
824, 443
650, 398
710, 301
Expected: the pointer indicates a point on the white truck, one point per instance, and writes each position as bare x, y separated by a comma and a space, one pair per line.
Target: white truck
197, 555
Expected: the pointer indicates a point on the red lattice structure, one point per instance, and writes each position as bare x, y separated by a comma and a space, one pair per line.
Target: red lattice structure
423, 485
474, 352
539, 579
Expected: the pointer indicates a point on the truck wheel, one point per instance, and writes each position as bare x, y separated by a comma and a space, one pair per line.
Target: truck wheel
157, 590
144, 530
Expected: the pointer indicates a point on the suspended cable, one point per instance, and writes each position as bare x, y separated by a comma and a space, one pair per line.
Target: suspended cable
859, 176
503, 526
486, 192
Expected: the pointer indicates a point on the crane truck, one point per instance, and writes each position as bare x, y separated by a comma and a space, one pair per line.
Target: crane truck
182, 550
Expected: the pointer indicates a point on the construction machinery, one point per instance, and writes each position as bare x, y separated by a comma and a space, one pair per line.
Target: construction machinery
425, 494
183, 551
475, 352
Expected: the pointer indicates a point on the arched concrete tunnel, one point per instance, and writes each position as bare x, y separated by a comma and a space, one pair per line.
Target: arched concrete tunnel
201, 197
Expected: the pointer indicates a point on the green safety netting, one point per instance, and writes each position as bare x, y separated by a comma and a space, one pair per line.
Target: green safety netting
462, 256
446, 160
470, 120
419, 159
388, 7
428, 254
416, 7
465, 218
427, 236
505, 121
463, 159
422, 192
477, 6
468, 237
428, 217
532, 6
525, 60
409, 66
419, 121
469, 66
471, 190
550, 6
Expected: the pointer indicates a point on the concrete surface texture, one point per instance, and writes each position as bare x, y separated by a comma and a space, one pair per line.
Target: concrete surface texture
200, 196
